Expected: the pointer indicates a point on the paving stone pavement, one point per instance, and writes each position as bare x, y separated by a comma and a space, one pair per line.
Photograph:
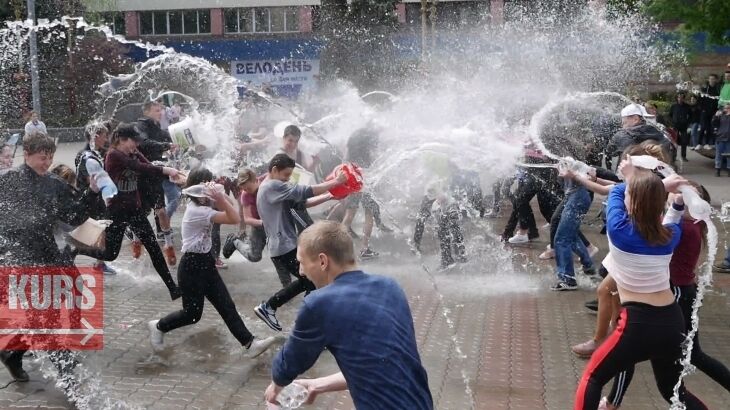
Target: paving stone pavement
490, 334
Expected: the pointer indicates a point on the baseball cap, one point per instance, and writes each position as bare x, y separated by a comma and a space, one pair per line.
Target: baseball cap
635, 109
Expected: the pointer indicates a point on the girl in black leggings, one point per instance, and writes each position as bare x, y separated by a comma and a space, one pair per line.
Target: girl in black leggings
125, 165
197, 274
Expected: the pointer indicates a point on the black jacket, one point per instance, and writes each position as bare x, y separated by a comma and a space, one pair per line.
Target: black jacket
680, 114
31, 207
636, 135
97, 206
722, 124
709, 105
156, 140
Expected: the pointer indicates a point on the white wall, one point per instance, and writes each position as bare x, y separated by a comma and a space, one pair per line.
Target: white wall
139, 5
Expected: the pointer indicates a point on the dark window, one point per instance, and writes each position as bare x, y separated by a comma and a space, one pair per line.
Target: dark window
160, 22
262, 20
231, 16
175, 22
204, 21
278, 16
245, 22
119, 23
190, 19
292, 19
145, 23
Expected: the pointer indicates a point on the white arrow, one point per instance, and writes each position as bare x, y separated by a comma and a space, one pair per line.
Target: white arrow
89, 331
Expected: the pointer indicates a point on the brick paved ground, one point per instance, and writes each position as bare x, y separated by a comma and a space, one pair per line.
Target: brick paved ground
489, 327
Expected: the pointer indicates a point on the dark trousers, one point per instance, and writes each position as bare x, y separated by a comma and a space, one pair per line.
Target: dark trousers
137, 221
547, 201
685, 296
682, 138
449, 231
644, 332
287, 266
199, 280
707, 134
215, 239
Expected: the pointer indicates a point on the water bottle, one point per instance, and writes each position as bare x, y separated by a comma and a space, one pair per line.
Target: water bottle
106, 185
201, 190
698, 208
292, 396
572, 164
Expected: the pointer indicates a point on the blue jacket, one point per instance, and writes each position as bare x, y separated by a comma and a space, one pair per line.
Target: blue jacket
365, 322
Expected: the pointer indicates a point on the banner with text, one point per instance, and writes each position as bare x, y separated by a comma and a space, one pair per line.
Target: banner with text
286, 76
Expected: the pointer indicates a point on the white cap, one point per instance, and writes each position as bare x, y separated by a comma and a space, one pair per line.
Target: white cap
635, 109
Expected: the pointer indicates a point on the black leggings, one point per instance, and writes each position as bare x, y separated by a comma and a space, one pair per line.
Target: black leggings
138, 223
685, 296
287, 266
644, 332
199, 280
547, 200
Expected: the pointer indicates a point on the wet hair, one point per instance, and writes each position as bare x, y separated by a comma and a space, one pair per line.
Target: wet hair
330, 238
647, 198
281, 162
705, 196
292, 131
95, 128
149, 104
197, 176
65, 173
123, 131
245, 175
713, 75
646, 148
36, 142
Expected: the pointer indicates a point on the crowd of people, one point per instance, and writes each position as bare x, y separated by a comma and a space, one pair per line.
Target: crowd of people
645, 285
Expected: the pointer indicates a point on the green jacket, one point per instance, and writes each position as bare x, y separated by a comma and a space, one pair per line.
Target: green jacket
724, 95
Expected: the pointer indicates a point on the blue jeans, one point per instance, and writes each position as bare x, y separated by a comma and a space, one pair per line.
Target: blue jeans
722, 147
172, 196
567, 240
726, 262
694, 134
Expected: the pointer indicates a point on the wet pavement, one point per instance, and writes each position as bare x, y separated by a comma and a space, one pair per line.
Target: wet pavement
514, 335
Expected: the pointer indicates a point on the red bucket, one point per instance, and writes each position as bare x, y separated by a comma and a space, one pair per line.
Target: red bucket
352, 185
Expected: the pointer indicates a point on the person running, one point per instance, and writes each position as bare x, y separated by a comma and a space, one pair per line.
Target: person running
197, 275
684, 286
275, 203
650, 325
363, 320
97, 143
252, 249
156, 190
125, 166
34, 202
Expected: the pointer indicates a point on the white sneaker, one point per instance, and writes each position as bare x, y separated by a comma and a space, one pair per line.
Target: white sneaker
519, 238
257, 347
696, 147
593, 250
548, 254
156, 336
707, 146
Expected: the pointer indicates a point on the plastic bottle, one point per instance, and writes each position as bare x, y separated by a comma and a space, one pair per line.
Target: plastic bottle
201, 190
106, 185
292, 396
572, 164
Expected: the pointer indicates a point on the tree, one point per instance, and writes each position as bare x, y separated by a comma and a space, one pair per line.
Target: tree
695, 16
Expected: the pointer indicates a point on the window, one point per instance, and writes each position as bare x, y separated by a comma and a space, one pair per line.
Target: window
115, 21
262, 20
162, 23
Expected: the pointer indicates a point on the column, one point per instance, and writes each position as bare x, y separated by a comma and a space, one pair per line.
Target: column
496, 9
131, 24
305, 19
216, 22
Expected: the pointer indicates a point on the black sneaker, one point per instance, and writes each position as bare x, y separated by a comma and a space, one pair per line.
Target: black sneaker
160, 236
268, 315
722, 268
563, 286
14, 364
590, 272
368, 253
230, 246
592, 305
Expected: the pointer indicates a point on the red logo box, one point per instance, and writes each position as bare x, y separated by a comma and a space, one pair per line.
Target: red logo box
51, 308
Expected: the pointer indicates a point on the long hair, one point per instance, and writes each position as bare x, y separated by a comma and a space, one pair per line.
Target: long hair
197, 176
647, 198
706, 196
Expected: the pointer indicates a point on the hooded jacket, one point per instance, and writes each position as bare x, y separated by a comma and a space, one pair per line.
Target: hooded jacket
636, 135
32, 205
156, 140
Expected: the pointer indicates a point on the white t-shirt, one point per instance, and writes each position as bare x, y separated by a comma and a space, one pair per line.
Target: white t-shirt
30, 127
196, 228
